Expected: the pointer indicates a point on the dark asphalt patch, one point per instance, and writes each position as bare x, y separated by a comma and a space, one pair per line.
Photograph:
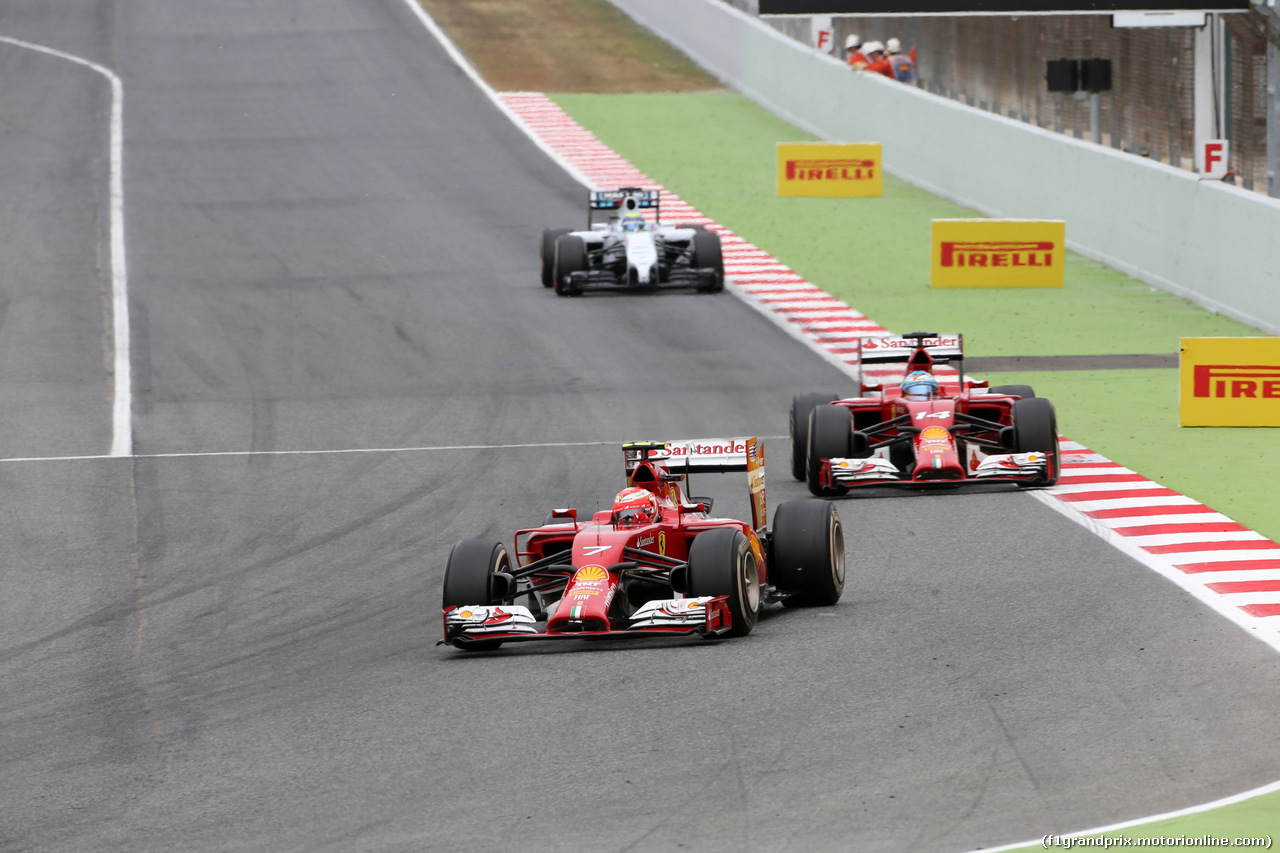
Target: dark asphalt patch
1017, 363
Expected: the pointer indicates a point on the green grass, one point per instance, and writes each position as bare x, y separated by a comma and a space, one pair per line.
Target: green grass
718, 151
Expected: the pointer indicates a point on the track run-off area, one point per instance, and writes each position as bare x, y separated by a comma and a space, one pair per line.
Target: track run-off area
341, 362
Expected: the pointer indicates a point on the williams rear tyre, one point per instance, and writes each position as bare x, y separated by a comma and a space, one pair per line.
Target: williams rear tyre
807, 558
1035, 425
1023, 391
571, 257
707, 253
549, 237
722, 562
801, 406
830, 430
469, 579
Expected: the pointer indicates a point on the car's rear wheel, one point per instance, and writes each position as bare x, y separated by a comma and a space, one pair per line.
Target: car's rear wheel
808, 553
830, 429
707, 253
722, 562
1023, 391
571, 257
469, 579
801, 406
549, 238
1035, 425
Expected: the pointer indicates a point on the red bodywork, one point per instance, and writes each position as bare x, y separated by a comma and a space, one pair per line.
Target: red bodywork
964, 434
597, 570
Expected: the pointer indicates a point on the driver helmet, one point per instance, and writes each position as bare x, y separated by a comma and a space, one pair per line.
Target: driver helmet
633, 221
635, 506
919, 385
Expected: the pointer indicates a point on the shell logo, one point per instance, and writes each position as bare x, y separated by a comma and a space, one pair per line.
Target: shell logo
935, 432
590, 573
466, 614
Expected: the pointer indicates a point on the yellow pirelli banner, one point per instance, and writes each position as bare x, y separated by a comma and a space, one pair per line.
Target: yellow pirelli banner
829, 170
998, 253
1229, 382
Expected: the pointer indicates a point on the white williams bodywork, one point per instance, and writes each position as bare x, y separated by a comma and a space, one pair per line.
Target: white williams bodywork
634, 249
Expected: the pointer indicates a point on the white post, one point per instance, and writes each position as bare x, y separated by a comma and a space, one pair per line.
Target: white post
1207, 85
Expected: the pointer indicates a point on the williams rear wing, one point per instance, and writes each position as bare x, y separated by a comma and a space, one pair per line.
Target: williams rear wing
625, 199
705, 456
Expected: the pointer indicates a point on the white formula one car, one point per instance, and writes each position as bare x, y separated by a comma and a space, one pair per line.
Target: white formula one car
630, 251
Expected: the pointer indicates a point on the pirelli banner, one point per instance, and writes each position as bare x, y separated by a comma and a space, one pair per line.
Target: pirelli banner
1229, 382
998, 253
829, 170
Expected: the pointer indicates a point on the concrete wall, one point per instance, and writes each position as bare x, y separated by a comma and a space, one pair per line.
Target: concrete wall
1211, 242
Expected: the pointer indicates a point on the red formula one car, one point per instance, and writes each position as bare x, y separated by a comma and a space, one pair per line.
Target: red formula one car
927, 426
655, 564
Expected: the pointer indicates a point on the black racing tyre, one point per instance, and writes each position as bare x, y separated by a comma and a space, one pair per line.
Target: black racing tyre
468, 579
808, 553
1035, 426
469, 572
1023, 391
696, 226
722, 562
801, 406
830, 430
707, 253
571, 256
549, 237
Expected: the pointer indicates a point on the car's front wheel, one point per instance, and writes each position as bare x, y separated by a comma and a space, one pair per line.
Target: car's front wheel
469, 579
801, 406
571, 257
722, 562
1035, 427
830, 430
549, 238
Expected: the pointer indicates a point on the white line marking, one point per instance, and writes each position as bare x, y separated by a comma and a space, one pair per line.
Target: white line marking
122, 396
436, 448
1216, 804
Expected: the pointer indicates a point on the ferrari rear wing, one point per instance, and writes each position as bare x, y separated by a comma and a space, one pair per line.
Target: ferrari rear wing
928, 349
706, 456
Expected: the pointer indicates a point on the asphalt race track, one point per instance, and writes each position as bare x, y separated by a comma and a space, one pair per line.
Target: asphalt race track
343, 363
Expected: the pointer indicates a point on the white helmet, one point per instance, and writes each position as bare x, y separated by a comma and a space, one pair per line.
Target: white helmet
893, 46
852, 42
872, 47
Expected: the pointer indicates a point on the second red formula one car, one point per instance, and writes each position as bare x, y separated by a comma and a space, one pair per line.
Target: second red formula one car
655, 564
932, 426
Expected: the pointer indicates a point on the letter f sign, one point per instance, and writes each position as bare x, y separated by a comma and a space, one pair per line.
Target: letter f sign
1213, 164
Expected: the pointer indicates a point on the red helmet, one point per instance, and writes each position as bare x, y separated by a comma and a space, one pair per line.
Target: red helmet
635, 506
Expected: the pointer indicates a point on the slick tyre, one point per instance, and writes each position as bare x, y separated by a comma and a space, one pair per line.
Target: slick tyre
808, 553
801, 406
1035, 427
830, 428
571, 257
469, 578
707, 253
549, 237
1023, 391
722, 562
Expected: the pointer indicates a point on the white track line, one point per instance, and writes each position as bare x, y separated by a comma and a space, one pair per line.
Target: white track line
122, 396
